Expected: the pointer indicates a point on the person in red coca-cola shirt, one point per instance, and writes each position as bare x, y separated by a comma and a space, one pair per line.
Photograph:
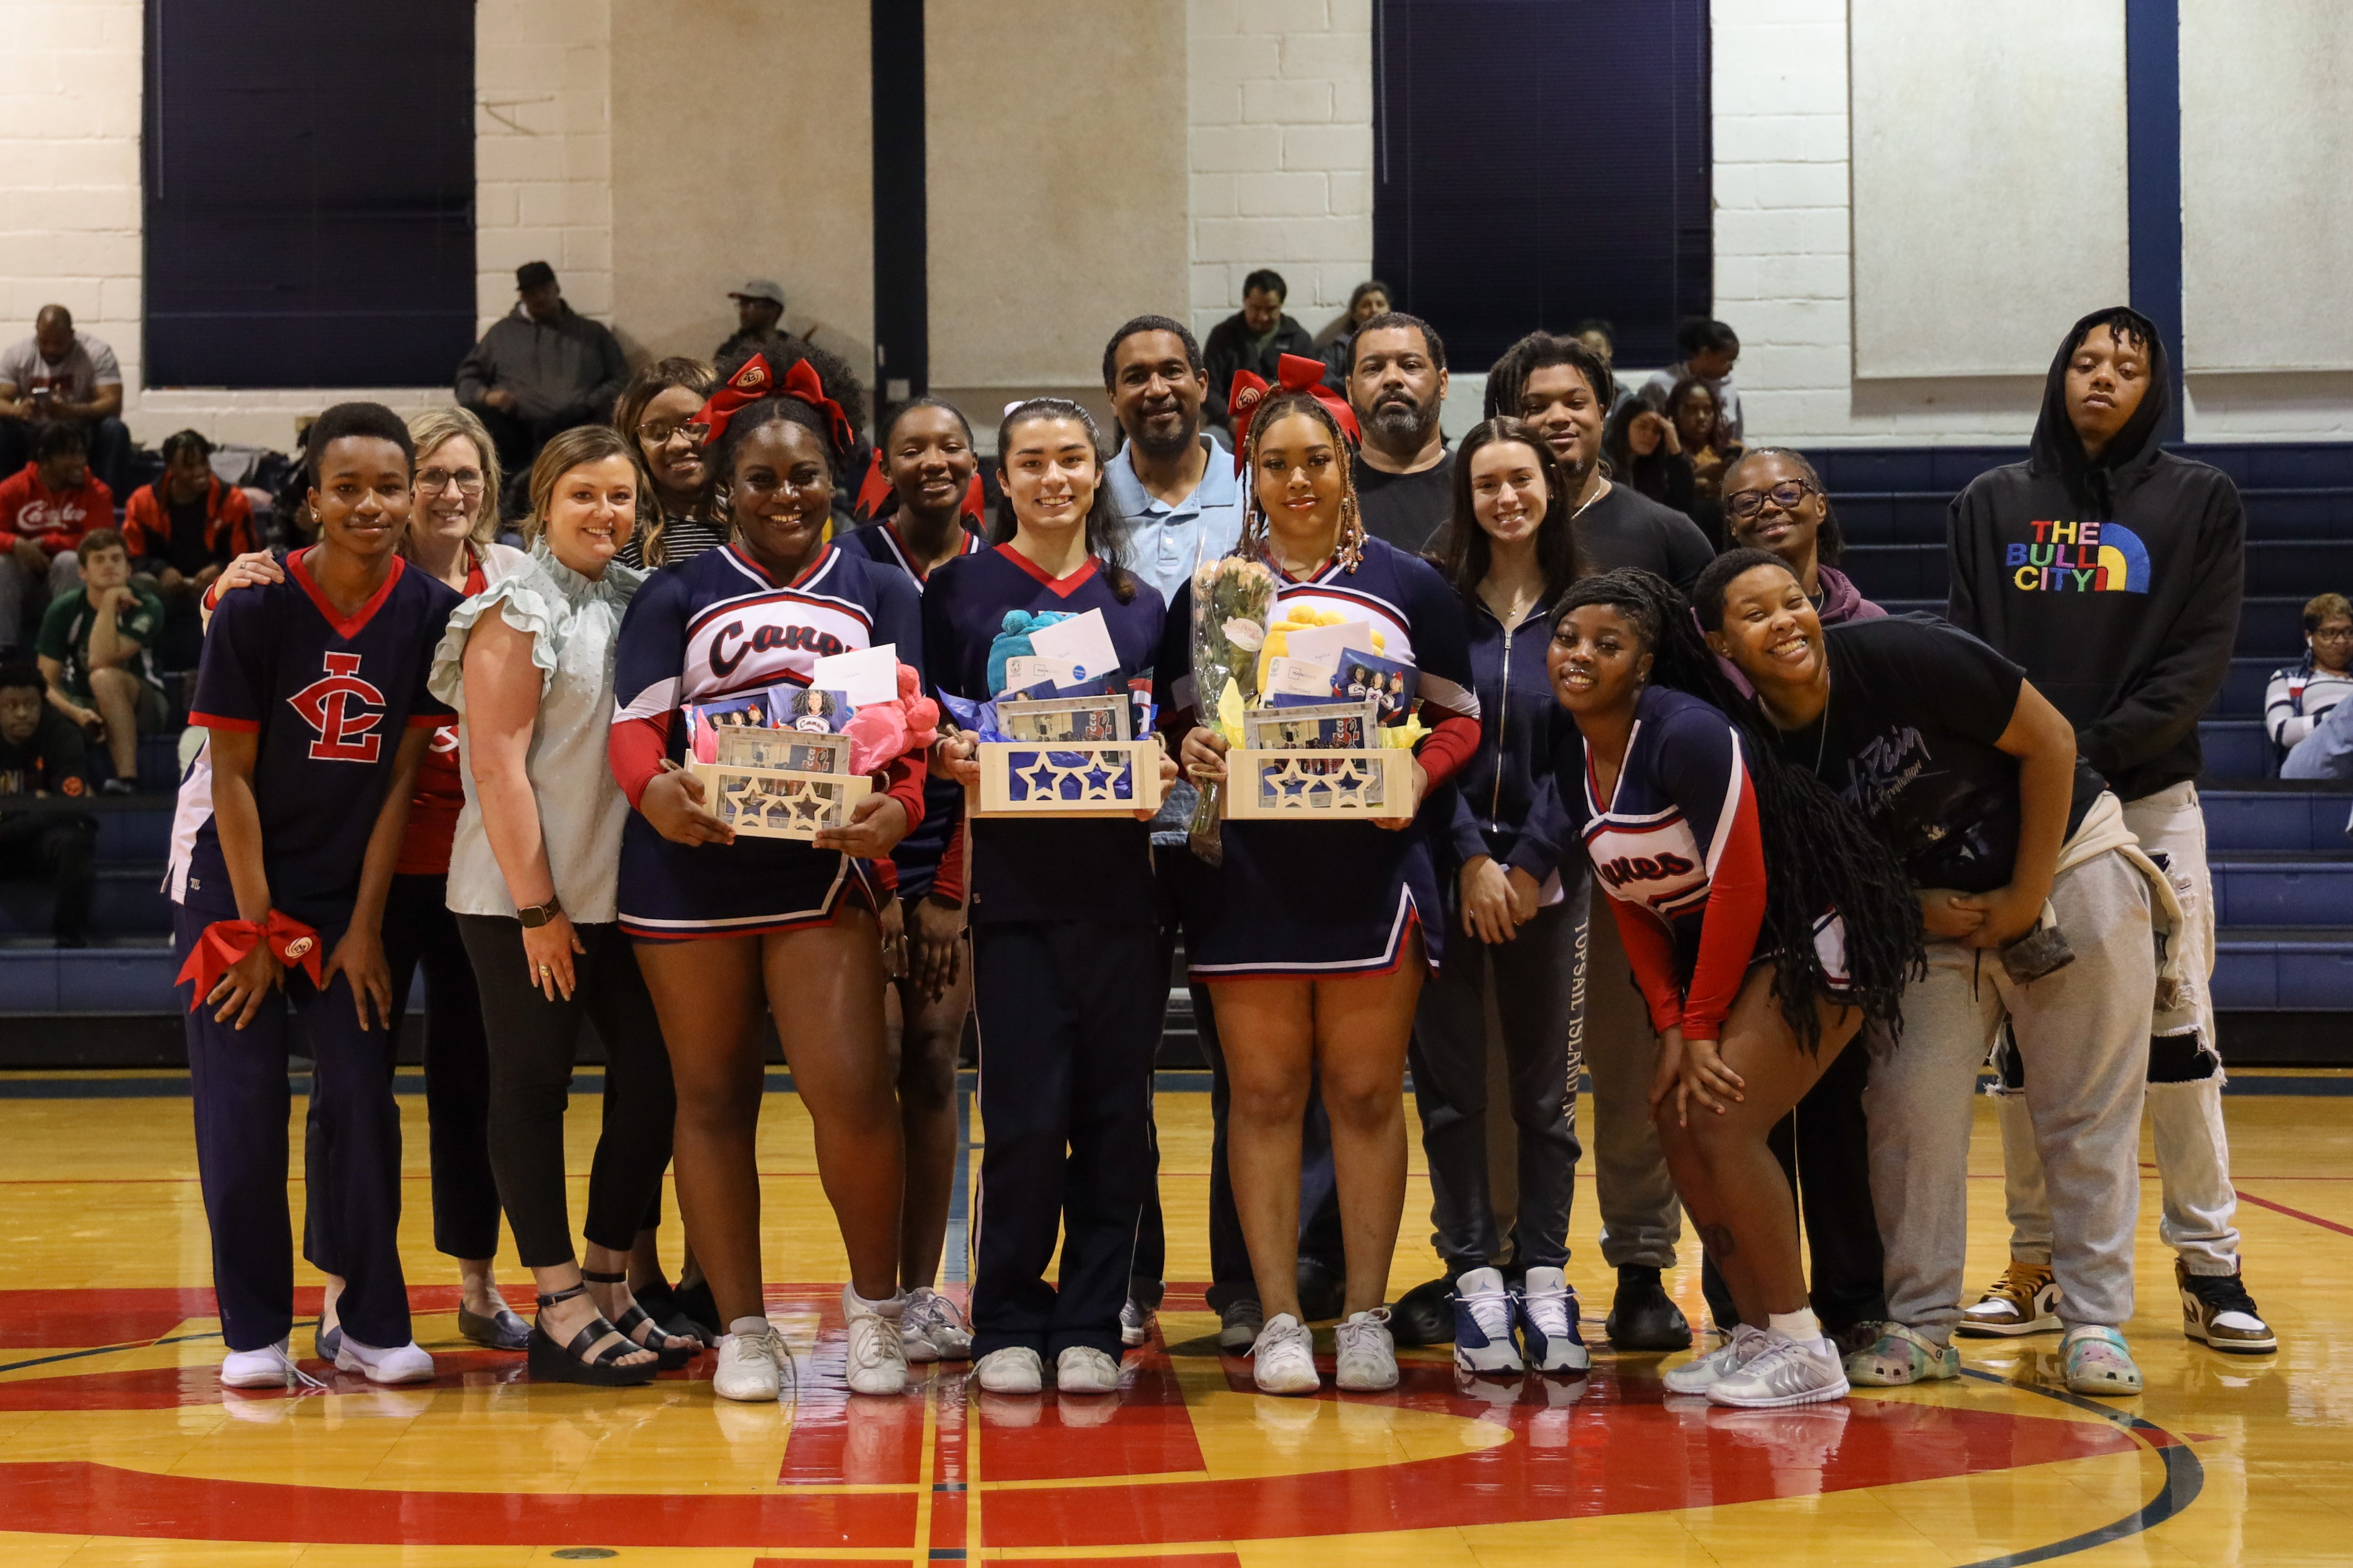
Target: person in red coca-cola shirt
45, 508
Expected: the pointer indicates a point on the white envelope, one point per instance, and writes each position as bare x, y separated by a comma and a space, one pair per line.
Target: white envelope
1022, 673
867, 675
1324, 645
1084, 640
1292, 676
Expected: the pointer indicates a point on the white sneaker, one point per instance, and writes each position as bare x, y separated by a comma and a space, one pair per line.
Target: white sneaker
1482, 1324
1784, 1372
878, 1355
1548, 1315
1135, 1323
1701, 1374
753, 1367
1283, 1358
1014, 1369
931, 1329
401, 1364
1083, 1369
268, 1367
1367, 1357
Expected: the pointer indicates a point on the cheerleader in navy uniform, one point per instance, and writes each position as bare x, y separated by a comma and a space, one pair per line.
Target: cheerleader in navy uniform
1315, 937
726, 927
926, 464
1065, 940
1765, 925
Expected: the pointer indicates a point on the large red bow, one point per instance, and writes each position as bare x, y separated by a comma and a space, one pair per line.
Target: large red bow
225, 944
1293, 373
755, 381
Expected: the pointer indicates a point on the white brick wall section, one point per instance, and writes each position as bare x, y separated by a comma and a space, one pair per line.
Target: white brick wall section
1279, 135
542, 150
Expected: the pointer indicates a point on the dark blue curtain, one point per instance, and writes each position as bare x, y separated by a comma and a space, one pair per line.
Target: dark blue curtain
309, 174
1536, 161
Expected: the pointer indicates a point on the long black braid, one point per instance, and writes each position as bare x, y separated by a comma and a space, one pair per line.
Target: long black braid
1820, 852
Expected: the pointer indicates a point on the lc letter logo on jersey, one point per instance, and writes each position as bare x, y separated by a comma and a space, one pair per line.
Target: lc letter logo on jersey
2079, 558
344, 710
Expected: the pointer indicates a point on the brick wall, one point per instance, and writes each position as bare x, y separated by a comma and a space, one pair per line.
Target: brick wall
1279, 115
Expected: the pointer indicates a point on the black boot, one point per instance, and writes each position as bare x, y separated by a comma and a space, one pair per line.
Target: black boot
1643, 1318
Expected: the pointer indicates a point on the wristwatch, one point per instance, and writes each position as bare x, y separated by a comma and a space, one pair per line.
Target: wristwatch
539, 914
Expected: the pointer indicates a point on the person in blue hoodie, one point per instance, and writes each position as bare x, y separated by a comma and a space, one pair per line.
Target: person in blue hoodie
1507, 551
2111, 570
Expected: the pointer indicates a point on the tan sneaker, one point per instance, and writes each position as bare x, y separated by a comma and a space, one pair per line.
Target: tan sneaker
2217, 1310
2022, 1301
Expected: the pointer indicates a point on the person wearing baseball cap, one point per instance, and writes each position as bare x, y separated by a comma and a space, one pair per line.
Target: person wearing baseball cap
540, 369
759, 317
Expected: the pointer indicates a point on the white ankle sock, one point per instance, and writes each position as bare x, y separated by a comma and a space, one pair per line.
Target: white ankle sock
748, 1326
1801, 1325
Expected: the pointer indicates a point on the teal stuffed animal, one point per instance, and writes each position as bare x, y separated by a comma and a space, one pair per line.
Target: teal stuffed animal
1013, 642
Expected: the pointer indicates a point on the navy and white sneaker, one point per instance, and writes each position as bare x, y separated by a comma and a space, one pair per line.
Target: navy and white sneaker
1484, 1311
1547, 1311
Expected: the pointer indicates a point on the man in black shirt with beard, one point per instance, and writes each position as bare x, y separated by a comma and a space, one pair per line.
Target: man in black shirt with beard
1396, 383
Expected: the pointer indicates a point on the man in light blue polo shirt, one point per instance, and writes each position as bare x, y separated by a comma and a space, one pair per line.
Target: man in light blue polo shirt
1182, 502
1172, 483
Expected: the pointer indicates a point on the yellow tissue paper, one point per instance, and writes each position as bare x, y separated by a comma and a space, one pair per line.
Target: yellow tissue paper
1230, 713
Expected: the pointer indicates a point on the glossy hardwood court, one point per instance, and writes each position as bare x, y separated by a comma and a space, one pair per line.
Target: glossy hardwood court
118, 1444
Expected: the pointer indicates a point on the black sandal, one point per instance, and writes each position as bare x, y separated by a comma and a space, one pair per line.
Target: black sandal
574, 1363
636, 1318
500, 1331
660, 1302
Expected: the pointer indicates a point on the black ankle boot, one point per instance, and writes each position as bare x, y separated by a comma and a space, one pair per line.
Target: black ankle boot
1641, 1318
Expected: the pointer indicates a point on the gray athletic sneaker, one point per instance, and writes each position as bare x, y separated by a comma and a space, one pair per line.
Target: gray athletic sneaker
1783, 1372
1701, 1374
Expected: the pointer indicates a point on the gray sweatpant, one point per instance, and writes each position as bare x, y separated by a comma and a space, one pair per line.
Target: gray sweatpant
1640, 1218
2193, 1151
2083, 1034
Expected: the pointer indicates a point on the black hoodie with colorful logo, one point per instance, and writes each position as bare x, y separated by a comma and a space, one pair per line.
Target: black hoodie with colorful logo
2115, 581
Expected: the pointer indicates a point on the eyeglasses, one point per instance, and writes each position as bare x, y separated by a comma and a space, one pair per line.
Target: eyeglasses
1785, 495
655, 434
468, 481
2332, 634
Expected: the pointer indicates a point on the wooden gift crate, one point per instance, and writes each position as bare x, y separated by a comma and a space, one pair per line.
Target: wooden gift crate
1069, 778
780, 802
1318, 786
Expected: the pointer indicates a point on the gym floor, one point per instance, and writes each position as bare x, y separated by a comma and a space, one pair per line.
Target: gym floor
118, 1444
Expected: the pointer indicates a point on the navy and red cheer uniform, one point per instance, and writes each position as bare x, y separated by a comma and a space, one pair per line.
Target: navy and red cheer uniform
1677, 847
1323, 900
714, 627
1069, 989
918, 855
329, 701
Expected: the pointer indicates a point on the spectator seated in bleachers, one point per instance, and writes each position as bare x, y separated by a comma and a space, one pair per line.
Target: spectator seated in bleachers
97, 652
42, 759
2304, 709
45, 508
540, 369
1254, 338
1710, 350
181, 532
61, 377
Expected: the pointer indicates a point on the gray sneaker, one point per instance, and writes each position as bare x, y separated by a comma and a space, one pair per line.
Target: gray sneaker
1135, 1323
1239, 1324
1783, 1372
1702, 1372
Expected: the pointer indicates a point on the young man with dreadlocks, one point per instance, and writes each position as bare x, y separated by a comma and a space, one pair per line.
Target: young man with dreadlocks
2043, 915
2111, 570
1308, 942
1766, 927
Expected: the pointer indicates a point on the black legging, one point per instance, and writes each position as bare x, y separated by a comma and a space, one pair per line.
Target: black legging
533, 1042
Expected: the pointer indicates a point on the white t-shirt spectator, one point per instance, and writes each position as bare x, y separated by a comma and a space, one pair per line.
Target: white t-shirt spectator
87, 365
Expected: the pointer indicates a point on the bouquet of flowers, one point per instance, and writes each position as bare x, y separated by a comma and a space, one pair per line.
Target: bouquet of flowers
1232, 599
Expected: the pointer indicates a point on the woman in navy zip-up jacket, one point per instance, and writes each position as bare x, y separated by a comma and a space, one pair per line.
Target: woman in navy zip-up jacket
1508, 550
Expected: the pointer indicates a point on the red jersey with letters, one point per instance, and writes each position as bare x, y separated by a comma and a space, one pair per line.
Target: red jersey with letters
440, 788
329, 698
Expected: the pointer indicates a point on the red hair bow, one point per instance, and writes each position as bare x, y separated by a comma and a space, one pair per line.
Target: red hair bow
225, 943
1292, 372
755, 381
874, 494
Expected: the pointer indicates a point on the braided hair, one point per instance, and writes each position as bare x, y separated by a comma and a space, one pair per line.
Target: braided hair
1820, 853
1279, 405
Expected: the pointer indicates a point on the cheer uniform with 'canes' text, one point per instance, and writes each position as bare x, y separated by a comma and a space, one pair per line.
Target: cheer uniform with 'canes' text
713, 628
1066, 991
918, 855
1325, 899
328, 700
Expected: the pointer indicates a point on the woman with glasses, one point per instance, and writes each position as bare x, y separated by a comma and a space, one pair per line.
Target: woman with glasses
1774, 501
2302, 694
656, 412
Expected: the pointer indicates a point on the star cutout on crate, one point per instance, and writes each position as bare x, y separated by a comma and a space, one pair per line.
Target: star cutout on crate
1037, 780
749, 801
810, 808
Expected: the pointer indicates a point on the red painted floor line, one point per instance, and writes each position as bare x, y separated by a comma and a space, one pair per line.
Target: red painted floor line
2296, 1213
